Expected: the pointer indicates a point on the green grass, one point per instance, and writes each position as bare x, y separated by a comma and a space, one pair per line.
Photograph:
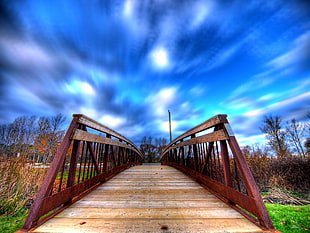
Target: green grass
12, 224
290, 218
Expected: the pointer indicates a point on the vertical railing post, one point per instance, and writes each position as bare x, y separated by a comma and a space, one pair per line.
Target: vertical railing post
120, 154
105, 158
113, 156
250, 183
74, 159
48, 182
207, 157
93, 156
73, 163
196, 162
226, 164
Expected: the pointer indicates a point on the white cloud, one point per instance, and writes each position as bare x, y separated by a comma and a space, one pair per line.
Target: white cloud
297, 57
224, 56
165, 126
26, 54
128, 8
112, 121
197, 91
87, 88
160, 57
267, 97
161, 101
284, 104
290, 101
251, 140
256, 113
201, 11
77, 86
255, 83
240, 103
88, 111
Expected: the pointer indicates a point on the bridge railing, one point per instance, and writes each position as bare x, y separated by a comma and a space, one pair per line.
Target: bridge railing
210, 153
89, 154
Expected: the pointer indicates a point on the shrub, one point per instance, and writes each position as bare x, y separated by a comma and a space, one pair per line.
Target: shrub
19, 183
291, 173
260, 167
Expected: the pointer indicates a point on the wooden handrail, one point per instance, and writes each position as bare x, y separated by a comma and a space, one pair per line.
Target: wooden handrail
83, 161
215, 160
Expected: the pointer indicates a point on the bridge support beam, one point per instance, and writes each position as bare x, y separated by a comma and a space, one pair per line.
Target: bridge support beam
223, 168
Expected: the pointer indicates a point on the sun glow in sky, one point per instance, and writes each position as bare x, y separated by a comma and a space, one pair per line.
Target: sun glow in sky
160, 57
126, 63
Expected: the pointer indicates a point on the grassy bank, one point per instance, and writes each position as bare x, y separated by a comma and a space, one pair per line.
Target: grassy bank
12, 224
290, 218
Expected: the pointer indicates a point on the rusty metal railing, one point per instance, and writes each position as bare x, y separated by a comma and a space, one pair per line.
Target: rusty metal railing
210, 153
89, 154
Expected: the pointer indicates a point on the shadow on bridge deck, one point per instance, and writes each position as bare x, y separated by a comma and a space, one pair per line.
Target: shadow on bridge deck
149, 198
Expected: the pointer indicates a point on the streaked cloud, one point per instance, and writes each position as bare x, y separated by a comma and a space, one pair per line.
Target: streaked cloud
297, 59
125, 63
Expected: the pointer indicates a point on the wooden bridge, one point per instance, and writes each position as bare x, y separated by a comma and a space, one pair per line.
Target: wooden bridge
97, 183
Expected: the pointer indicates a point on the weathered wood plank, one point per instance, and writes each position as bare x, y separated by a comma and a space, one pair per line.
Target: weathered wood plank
145, 198
149, 213
90, 137
149, 204
151, 225
211, 137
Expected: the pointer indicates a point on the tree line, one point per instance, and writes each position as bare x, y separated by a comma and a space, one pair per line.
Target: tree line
283, 140
152, 148
291, 138
35, 138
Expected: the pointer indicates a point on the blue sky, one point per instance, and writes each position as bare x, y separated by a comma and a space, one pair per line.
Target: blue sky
124, 63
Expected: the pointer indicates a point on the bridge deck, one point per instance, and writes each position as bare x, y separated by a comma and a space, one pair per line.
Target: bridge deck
149, 199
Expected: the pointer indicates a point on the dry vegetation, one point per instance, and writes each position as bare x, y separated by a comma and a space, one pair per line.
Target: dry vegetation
19, 184
289, 173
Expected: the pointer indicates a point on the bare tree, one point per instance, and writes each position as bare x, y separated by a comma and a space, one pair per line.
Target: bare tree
160, 144
296, 133
33, 138
275, 135
16, 138
150, 150
56, 133
49, 136
4, 129
43, 130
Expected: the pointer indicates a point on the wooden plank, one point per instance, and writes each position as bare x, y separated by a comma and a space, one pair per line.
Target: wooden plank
211, 137
136, 204
149, 204
90, 137
203, 126
97, 126
152, 196
150, 213
152, 225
